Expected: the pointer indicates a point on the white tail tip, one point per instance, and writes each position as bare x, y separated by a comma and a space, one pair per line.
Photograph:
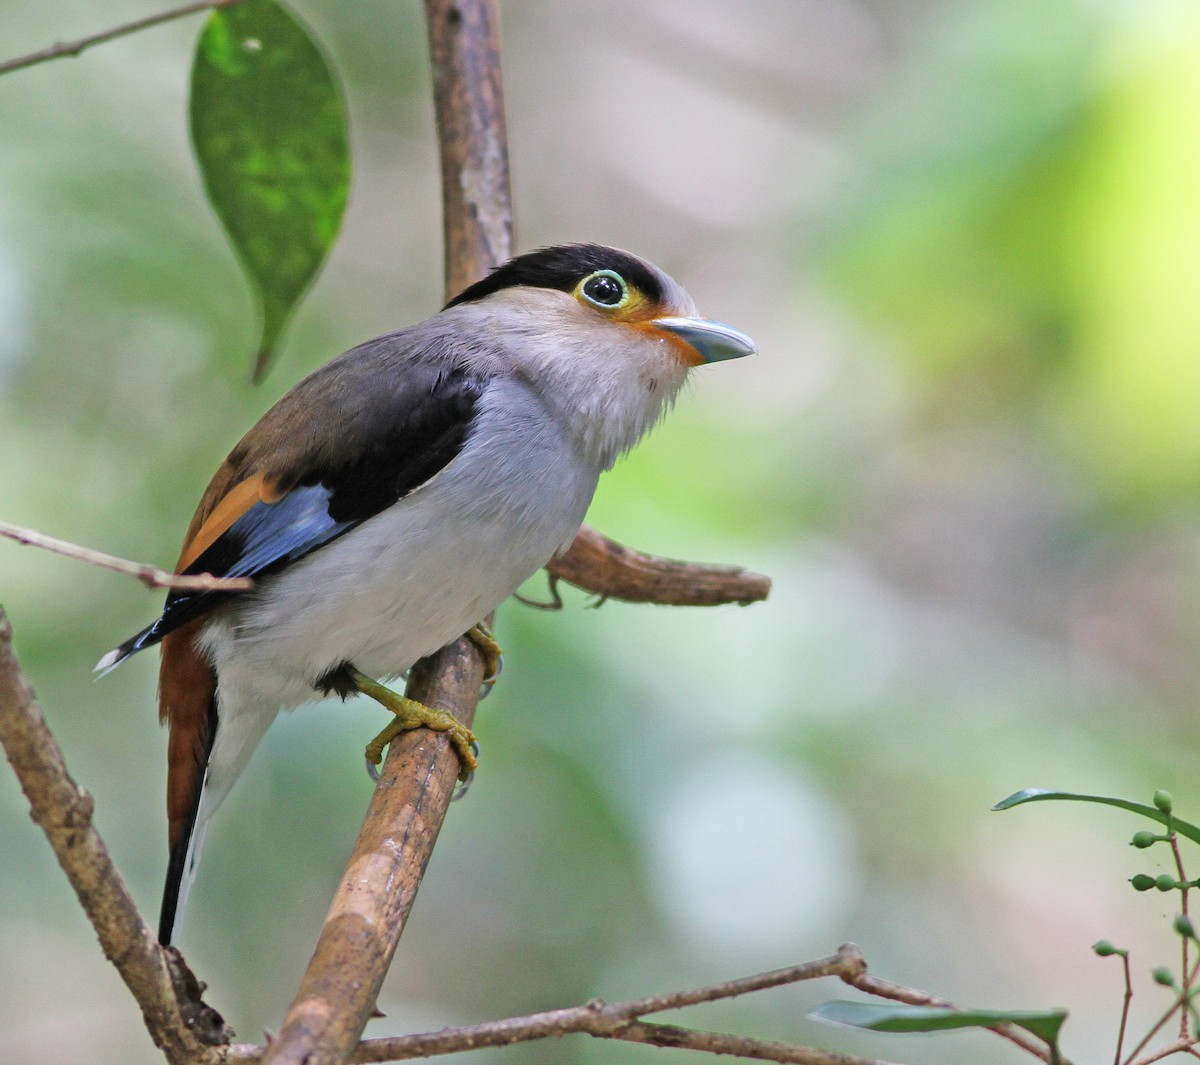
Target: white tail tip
109, 661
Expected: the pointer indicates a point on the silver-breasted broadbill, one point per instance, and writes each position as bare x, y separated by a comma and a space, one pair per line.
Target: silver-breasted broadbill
397, 495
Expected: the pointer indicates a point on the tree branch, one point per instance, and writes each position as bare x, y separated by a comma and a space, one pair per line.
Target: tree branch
73, 48
1180, 1045
873, 985
150, 576
365, 920
620, 1020
610, 570
668, 1035
63, 810
371, 905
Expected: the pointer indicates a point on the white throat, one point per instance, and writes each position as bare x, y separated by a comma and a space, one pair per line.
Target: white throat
606, 383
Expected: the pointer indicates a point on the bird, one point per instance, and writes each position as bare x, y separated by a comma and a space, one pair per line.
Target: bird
396, 496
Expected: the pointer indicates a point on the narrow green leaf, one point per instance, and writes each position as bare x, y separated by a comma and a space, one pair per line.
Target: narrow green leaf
896, 1017
269, 130
1190, 831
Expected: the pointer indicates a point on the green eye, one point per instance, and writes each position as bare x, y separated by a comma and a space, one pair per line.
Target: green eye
604, 288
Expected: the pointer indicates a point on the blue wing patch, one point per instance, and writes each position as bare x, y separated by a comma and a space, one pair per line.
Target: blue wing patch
387, 449
268, 537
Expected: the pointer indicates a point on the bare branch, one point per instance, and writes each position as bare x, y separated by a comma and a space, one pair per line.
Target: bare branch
620, 1020
668, 1035
369, 910
150, 576
847, 963
872, 985
73, 48
1181, 1045
64, 812
1125, 1003
609, 569
1133, 1058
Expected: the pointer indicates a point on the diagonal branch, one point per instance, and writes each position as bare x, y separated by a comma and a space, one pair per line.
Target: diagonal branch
73, 48
63, 810
337, 994
873, 985
150, 576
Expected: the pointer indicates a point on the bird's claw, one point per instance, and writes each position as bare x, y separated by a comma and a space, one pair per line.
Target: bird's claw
411, 714
464, 783
493, 655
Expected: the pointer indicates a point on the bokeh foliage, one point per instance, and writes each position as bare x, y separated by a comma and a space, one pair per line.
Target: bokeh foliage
962, 234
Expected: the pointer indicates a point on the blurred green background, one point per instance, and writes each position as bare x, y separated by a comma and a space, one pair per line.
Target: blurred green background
966, 237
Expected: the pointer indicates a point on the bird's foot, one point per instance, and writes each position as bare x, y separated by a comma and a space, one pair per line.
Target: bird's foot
411, 714
464, 782
493, 656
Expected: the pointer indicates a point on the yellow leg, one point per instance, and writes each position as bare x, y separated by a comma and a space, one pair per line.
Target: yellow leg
412, 714
493, 657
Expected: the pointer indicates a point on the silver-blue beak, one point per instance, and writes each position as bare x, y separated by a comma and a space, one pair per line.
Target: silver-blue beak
715, 341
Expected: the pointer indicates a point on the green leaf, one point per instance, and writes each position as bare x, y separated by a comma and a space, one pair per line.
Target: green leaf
896, 1017
1153, 813
269, 129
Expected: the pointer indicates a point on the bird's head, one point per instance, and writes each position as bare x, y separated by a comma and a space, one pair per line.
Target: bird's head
609, 335
607, 287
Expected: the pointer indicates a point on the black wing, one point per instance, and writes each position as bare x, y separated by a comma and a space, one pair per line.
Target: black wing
391, 452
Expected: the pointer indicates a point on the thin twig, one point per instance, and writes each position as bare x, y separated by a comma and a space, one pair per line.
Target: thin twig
1185, 971
848, 963
1179, 1046
73, 48
669, 1035
555, 602
1128, 999
150, 576
1158, 1025
619, 1020
873, 985
64, 812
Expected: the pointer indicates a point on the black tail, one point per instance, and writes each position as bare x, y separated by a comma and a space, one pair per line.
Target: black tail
146, 638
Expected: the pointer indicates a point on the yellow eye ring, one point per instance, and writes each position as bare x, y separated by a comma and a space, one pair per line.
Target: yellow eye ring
605, 289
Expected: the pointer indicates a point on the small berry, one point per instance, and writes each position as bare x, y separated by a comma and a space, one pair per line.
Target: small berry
1142, 840
1105, 949
1142, 882
1165, 882
1162, 799
1183, 925
1164, 977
